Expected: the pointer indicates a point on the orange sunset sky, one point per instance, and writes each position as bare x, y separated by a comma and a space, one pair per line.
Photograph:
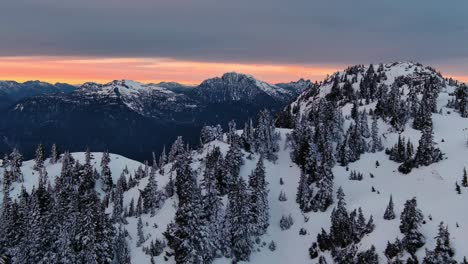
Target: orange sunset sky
77, 70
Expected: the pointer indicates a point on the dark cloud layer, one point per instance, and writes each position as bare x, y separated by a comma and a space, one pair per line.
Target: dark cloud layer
280, 31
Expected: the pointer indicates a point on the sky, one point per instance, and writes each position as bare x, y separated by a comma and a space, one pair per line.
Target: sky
191, 40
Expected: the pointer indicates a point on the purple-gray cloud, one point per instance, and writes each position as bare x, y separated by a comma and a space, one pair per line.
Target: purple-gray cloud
298, 31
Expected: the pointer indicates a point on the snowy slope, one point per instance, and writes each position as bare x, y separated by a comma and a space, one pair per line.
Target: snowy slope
434, 186
405, 72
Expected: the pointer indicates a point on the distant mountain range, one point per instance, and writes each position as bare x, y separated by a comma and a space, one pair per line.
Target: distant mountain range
129, 117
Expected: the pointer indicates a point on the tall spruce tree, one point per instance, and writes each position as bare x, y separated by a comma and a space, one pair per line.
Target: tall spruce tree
376, 140
212, 204
106, 174
411, 219
237, 228
427, 153
389, 212
54, 154
188, 235
443, 252
259, 208
40, 157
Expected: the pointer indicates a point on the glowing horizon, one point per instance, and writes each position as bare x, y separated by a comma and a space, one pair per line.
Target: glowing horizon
77, 70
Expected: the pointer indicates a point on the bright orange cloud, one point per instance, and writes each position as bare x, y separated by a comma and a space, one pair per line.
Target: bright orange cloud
76, 70
79, 69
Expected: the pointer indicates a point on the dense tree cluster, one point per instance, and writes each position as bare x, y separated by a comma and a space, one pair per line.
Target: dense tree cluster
347, 230
62, 222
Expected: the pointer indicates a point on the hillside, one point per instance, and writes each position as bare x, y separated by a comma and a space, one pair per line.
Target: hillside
337, 133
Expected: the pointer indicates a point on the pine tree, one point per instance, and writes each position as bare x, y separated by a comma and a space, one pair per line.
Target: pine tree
282, 197
423, 119
150, 195
118, 201
169, 188
389, 212
40, 157
457, 188
341, 230
141, 235
232, 132
376, 140
324, 196
16, 161
232, 164
106, 174
259, 208
162, 161
368, 257
188, 235
121, 249
248, 136
411, 219
212, 204
237, 229
177, 149
131, 208
304, 194
54, 154
364, 124
465, 178
427, 153
443, 253
266, 139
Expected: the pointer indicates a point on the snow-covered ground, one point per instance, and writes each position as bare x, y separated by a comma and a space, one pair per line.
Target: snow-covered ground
433, 186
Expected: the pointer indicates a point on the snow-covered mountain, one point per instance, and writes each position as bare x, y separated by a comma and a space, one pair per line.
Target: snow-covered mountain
130, 110
297, 86
318, 192
234, 86
402, 74
11, 91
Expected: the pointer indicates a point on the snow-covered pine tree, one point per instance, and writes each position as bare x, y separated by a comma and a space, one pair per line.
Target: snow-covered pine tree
341, 230
231, 135
465, 178
212, 204
304, 195
54, 154
118, 195
106, 175
376, 140
389, 211
39, 158
324, 196
282, 197
237, 229
150, 194
140, 234
423, 119
364, 124
188, 235
248, 136
443, 252
16, 161
162, 161
411, 219
232, 164
177, 149
427, 153
266, 139
121, 249
259, 208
